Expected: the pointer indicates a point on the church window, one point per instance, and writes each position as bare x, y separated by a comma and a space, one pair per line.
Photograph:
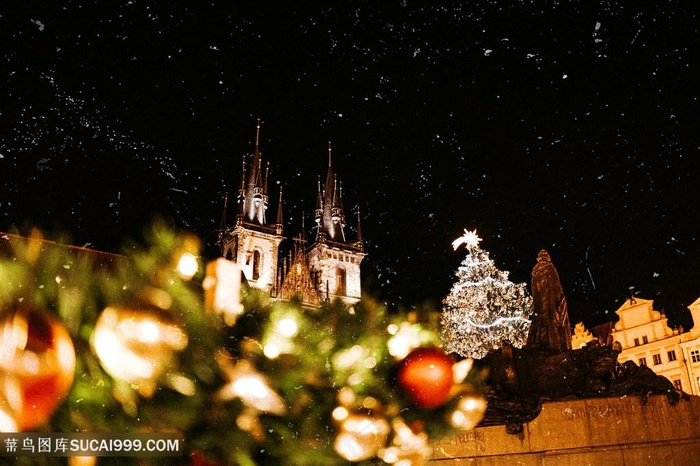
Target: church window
340, 279
256, 264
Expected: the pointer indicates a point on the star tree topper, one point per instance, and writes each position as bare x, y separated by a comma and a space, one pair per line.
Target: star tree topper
470, 238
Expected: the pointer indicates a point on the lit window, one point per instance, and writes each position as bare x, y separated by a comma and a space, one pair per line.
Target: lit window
340, 279
695, 355
642, 361
672, 355
657, 359
677, 384
256, 264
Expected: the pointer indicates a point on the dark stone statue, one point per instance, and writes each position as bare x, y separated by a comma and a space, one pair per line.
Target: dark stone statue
550, 326
547, 369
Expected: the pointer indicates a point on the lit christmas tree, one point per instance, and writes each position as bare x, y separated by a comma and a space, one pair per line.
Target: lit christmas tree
484, 308
152, 341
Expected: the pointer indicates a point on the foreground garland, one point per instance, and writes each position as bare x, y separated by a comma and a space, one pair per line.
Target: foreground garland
152, 341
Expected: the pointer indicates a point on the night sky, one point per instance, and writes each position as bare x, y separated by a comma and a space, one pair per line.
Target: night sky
566, 125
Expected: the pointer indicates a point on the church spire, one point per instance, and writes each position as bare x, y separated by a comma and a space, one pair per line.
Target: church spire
256, 193
265, 185
329, 180
359, 243
280, 221
331, 223
241, 195
257, 137
319, 211
337, 217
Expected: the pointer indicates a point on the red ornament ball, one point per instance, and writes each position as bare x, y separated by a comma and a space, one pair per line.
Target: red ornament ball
37, 364
426, 377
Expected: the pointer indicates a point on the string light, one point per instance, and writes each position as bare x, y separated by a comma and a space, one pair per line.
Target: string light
495, 323
187, 266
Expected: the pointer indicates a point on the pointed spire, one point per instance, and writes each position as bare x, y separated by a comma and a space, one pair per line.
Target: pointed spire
241, 195
319, 203
339, 204
335, 191
337, 232
328, 201
242, 190
300, 238
255, 178
257, 137
327, 222
280, 219
258, 174
318, 214
256, 196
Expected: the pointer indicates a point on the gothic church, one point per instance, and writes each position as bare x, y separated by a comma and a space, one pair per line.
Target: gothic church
326, 270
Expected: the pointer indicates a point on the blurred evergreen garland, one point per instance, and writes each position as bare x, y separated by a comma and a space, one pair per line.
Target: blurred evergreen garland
329, 365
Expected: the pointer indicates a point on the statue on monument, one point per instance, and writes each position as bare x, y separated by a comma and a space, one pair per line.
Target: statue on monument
550, 326
547, 368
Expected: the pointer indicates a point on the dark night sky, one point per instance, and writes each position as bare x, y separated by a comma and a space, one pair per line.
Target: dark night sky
566, 125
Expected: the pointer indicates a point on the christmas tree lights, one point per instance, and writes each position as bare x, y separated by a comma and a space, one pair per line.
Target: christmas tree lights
483, 308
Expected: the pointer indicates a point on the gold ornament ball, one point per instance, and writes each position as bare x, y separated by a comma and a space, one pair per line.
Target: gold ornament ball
361, 436
37, 366
137, 344
469, 411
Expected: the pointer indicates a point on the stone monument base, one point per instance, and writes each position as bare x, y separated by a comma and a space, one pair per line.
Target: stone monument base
596, 431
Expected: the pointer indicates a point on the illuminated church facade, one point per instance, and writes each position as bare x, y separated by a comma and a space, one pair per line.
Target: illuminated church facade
324, 268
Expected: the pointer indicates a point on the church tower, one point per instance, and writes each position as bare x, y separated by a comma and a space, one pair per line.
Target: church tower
253, 242
326, 270
333, 259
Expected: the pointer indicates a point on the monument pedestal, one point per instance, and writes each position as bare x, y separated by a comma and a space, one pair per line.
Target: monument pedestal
595, 431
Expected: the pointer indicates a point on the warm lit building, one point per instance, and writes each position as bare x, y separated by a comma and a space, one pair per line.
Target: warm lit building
581, 336
644, 337
328, 269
